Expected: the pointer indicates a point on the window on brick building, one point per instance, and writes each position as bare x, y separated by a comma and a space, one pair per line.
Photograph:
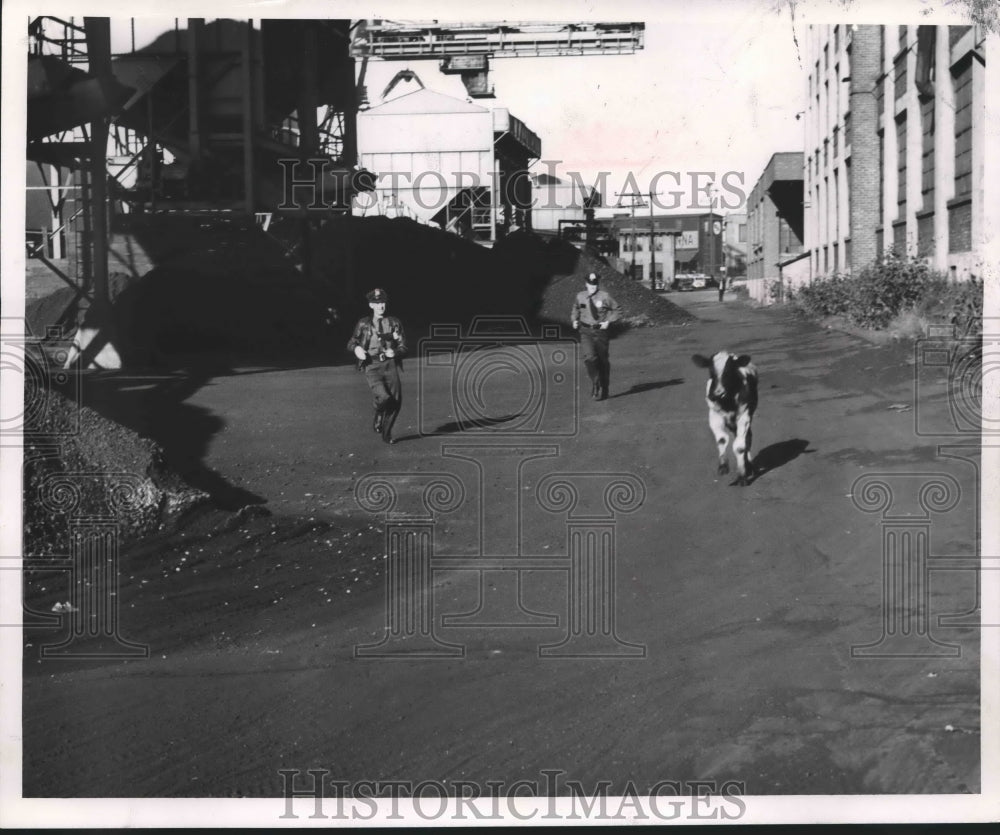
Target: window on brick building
847, 129
927, 154
881, 178
900, 75
836, 265
788, 241
880, 82
836, 39
955, 34
743, 233
837, 84
962, 76
836, 204
826, 56
902, 38
901, 164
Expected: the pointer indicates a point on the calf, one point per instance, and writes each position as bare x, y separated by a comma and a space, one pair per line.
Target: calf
731, 395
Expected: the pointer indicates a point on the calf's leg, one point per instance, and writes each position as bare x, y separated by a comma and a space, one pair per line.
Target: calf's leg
717, 423
741, 447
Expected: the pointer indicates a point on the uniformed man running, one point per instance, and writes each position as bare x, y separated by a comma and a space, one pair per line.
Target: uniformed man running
593, 311
379, 343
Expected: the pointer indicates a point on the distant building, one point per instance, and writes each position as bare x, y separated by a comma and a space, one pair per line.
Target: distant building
894, 145
734, 244
556, 202
774, 221
449, 162
678, 244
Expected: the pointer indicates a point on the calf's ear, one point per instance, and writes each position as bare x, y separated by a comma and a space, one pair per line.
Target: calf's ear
742, 360
700, 361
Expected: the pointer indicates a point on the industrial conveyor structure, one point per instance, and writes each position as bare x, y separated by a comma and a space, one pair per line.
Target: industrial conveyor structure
466, 48
204, 121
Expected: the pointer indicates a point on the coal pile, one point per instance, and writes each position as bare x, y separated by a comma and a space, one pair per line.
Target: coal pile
430, 276
237, 292
641, 307
79, 464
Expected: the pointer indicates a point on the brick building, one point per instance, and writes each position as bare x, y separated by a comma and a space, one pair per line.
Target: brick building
894, 142
774, 220
734, 244
665, 246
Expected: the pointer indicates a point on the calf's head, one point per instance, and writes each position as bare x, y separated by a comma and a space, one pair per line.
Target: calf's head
723, 369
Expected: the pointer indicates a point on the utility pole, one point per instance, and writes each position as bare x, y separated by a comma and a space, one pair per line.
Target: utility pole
652, 245
632, 195
712, 191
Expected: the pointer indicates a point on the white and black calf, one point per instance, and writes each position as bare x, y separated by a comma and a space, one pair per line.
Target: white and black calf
731, 395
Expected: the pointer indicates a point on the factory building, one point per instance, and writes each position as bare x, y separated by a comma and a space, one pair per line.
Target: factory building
894, 145
734, 244
774, 223
660, 248
448, 161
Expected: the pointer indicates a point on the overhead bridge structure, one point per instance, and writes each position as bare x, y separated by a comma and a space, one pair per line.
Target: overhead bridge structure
466, 48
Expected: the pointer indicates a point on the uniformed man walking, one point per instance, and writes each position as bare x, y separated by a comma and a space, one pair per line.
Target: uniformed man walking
593, 311
378, 343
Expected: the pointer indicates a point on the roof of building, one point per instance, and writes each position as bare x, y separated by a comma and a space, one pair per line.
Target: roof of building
424, 101
661, 223
784, 166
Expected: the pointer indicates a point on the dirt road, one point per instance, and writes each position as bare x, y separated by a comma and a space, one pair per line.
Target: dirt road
728, 614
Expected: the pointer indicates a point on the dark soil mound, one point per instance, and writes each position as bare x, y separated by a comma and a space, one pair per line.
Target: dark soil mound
236, 291
430, 276
79, 464
641, 307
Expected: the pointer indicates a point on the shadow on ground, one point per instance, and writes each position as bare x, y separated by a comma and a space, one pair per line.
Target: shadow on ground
639, 388
777, 455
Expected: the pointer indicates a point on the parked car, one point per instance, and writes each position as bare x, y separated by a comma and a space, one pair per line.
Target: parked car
690, 281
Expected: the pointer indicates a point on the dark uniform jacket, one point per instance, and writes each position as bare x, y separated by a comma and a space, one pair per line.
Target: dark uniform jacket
605, 307
364, 335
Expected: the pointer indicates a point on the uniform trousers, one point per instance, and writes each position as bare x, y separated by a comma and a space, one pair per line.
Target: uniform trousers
595, 345
387, 391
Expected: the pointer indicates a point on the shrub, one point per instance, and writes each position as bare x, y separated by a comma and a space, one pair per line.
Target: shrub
826, 296
883, 290
894, 290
